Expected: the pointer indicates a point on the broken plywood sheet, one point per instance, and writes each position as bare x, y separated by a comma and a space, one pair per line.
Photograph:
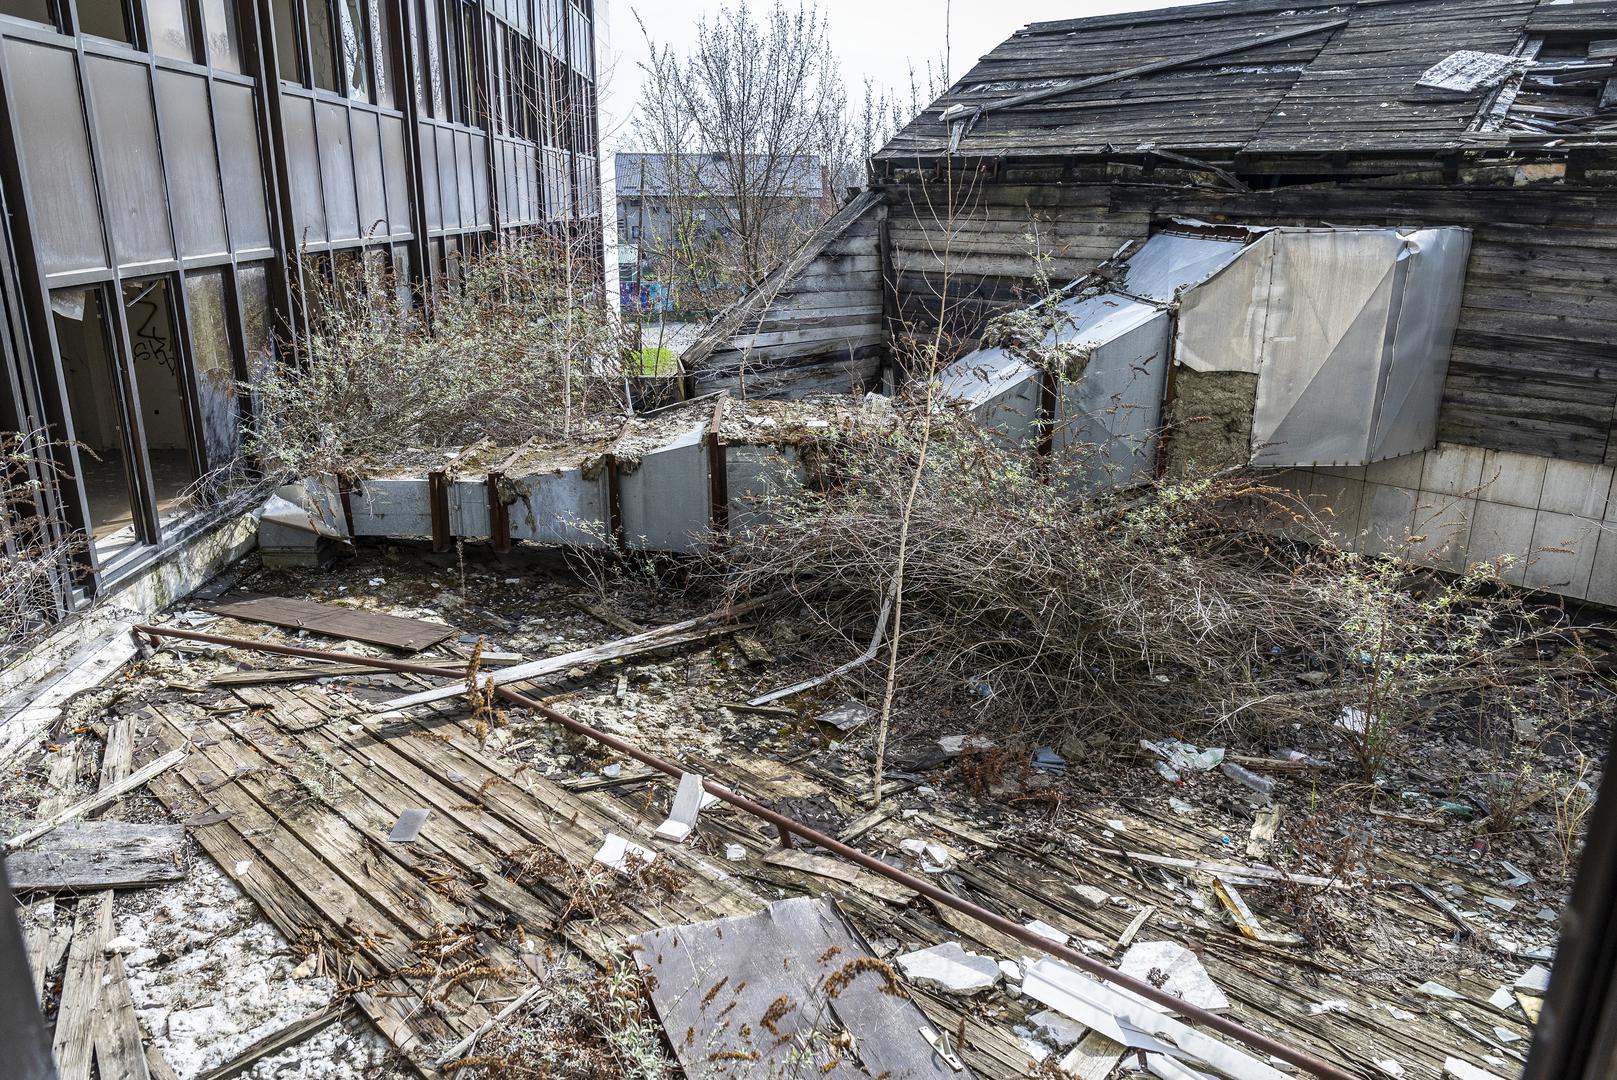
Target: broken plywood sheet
367, 626
99, 855
751, 996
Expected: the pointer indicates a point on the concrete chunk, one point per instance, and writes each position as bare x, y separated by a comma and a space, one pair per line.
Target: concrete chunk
951, 969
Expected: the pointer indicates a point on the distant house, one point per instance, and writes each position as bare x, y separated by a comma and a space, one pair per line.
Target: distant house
676, 215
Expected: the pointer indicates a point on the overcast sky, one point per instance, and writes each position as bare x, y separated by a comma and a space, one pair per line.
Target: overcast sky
876, 39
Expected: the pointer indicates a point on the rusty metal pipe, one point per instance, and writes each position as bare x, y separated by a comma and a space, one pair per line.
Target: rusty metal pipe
789, 827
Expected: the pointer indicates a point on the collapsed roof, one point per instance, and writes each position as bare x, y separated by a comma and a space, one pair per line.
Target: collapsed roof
1275, 77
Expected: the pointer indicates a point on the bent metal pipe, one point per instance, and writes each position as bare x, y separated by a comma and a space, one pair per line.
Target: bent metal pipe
789, 827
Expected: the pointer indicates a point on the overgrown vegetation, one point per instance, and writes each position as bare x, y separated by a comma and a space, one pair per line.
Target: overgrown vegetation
523, 345
578, 1027
36, 552
1040, 610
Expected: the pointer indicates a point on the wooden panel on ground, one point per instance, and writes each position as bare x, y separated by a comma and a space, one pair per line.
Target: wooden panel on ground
368, 626
99, 855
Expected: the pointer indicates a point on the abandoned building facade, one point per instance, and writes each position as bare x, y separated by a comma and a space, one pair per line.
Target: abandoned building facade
168, 162
1366, 246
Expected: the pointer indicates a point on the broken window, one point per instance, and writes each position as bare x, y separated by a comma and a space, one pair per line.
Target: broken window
159, 377
322, 45
95, 401
213, 358
382, 51
356, 59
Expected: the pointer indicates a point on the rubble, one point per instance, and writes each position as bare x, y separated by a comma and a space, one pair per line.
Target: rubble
950, 969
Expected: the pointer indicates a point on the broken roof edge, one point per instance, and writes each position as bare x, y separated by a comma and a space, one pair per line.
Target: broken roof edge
733, 318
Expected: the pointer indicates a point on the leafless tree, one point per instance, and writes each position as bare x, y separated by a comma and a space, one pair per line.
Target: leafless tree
754, 145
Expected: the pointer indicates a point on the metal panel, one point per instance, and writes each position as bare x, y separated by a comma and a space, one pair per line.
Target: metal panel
48, 116
665, 499
479, 182
132, 173
563, 506
395, 176
1113, 411
712, 980
337, 171
1330, 301
1221, 321
193, 168
427, 139
241, 167
1427, 315
303, 166
448, 194
1001, 391
1175, 260
368, 174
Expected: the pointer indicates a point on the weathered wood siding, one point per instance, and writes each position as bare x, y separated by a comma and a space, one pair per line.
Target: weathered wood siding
1534, 366
815, 325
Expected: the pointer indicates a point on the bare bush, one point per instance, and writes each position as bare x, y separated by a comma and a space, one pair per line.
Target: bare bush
36, 553
1048, 610
523, 345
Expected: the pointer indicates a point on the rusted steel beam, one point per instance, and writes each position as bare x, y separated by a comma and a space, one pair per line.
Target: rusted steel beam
789, 829
499, 515
438, 499
718, 474
614, 500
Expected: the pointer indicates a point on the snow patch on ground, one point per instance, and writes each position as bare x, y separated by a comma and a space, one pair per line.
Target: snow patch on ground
209, 978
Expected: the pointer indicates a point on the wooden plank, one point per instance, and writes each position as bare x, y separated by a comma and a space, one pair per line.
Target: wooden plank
73, 1044
837, 870
99, 799
100, 855
44, 942
368, 626
651, 640
277, 1041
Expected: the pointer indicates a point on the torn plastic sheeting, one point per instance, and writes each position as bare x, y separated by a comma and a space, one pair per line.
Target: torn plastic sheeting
292, 507
711, 983
1348, 330
1136, 1025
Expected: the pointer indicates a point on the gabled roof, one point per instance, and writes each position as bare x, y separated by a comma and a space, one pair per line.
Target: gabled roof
797, 177
1276, 77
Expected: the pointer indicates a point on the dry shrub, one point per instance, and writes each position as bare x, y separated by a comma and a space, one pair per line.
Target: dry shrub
523, 345
1038, 609
599, 1027
38, 552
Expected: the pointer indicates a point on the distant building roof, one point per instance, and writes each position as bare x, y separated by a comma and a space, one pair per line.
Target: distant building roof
799, 176
1275, 77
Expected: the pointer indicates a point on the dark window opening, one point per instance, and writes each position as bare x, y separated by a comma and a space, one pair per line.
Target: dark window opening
288, 47
159, 377
34, 10
105, 18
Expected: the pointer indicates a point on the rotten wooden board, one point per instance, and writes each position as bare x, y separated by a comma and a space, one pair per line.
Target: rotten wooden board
410, 635
99, 855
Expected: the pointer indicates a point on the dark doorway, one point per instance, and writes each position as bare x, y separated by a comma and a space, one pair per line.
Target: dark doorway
159, 376
85, 340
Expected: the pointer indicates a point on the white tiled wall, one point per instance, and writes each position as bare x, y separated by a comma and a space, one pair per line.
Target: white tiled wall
1459, 505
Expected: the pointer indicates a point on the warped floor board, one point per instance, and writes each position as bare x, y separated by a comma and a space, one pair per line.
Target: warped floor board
337, 622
